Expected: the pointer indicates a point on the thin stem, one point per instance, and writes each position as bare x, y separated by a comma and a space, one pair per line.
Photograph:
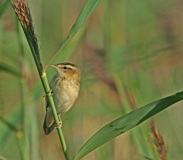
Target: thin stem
23, 13
55, 55
23, 91
52, 105
61, 137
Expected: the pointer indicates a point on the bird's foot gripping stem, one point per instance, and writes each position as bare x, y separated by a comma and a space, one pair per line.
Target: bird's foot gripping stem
60, 123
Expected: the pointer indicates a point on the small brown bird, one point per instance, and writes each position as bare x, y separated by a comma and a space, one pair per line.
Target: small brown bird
65, 87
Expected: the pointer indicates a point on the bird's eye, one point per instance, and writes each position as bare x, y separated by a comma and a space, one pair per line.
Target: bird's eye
64, 67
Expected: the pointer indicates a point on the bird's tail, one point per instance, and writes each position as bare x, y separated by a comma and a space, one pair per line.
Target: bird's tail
49, 124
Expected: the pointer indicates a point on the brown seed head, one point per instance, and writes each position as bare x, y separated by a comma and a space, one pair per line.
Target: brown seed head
159, 143
23, 13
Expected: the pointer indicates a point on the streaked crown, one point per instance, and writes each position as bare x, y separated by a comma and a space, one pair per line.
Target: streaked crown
68, 70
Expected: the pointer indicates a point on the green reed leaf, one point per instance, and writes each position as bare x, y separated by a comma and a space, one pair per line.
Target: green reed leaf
127, 122
84, 14
9, 69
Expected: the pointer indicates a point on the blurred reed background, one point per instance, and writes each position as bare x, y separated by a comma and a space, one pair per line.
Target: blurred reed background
130, 54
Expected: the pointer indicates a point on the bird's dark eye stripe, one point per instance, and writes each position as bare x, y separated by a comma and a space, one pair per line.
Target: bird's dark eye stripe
65, 67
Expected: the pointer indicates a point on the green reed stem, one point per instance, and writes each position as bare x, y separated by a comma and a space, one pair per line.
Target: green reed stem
52, 105
23, 13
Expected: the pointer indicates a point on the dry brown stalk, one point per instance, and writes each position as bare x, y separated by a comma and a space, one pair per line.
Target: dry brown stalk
159, 142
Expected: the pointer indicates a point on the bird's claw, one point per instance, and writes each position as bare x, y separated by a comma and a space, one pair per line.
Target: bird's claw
59, 124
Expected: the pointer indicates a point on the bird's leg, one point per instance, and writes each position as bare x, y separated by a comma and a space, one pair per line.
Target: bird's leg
60, 122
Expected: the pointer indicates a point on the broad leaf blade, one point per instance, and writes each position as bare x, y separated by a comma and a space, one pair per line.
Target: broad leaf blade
127, 122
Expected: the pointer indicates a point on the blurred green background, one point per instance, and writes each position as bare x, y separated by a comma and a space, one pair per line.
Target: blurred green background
130, 54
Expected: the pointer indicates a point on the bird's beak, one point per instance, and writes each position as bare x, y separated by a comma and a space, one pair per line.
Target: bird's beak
54, 66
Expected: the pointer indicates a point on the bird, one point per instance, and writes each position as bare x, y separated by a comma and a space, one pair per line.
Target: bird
65, 86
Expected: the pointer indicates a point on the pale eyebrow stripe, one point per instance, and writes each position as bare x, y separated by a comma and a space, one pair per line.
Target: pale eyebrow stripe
67, 63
